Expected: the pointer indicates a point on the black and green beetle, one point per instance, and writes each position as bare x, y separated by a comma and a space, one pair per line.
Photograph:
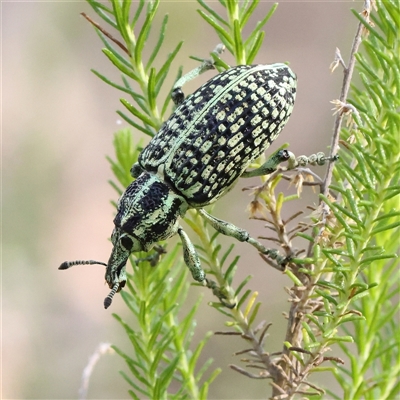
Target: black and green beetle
197, 156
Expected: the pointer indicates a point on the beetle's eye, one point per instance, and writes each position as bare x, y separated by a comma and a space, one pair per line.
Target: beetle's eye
127, 243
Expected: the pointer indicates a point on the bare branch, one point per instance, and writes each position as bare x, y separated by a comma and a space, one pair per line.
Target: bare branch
348, 74
263, 333
260, 326
295, 215
270, 238
104, 32
249, 375
243, 352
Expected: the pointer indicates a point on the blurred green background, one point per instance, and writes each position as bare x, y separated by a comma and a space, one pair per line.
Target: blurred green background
58, 121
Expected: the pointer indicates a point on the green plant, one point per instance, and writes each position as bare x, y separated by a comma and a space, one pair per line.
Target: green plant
346, 283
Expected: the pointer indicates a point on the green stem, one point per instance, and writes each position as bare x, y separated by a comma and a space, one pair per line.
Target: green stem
183, 366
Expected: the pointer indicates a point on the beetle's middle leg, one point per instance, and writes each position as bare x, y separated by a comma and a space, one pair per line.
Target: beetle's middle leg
229, 229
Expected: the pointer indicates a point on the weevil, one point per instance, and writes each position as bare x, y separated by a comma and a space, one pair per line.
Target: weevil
196, 157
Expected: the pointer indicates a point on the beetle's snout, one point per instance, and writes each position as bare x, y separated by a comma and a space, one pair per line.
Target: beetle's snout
115, 277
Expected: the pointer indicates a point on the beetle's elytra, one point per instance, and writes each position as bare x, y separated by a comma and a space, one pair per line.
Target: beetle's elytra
213, 136
196, 157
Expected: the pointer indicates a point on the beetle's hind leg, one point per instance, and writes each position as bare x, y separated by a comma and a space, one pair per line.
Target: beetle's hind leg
229, 229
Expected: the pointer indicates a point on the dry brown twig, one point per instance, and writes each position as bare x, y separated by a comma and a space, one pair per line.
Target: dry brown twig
289, 383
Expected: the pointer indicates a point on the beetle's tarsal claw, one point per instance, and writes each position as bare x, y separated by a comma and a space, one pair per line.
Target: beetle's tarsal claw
281, 261
154, 258
335, 157
108, 299
220, 293
219, 49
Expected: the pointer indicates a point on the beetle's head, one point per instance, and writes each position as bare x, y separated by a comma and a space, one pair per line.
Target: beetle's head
124, 244
147, 213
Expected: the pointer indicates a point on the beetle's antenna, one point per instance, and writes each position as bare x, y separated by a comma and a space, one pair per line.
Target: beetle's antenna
108, 299
69, 264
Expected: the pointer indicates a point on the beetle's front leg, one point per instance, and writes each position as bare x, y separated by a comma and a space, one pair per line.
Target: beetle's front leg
229, 229
192, 260
191, 257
